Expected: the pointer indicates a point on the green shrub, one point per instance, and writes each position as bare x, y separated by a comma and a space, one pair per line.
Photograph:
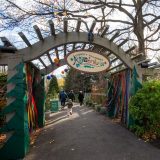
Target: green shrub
103, 110
93, 105
88, 102
52, 92
144, 108
98, 107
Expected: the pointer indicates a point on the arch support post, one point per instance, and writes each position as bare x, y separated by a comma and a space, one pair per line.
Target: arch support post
39, 97
16, 126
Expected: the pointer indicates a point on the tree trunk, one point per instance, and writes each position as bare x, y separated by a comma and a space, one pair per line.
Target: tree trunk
139, 27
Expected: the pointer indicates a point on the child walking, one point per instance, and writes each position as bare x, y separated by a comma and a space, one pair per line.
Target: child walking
69, 104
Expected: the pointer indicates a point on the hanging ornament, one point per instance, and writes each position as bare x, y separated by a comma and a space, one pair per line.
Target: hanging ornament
48, 77
66, 70
56, 60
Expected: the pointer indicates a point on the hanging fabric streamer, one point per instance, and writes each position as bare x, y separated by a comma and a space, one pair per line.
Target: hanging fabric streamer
118, 96
31, 106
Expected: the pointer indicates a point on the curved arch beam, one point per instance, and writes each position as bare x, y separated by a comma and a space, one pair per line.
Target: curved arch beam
51, 42
41, 47
51, 68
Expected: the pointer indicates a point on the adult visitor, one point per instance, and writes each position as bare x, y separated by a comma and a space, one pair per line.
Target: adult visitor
71, 96
62, 97
80, 97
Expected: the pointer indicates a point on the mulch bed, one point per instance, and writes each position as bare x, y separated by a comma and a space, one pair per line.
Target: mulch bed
34, 135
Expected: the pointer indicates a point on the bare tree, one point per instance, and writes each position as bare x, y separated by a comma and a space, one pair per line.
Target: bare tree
139, 20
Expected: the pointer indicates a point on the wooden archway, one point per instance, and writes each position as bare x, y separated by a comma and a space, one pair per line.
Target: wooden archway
11, 56
44, 45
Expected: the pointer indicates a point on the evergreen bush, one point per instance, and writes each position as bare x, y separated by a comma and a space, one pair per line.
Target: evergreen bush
52, 92
144, 109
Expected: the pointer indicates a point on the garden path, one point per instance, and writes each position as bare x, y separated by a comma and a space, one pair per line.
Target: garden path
87, 135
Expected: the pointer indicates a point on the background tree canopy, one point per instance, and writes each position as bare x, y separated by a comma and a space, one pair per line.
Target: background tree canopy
77, 82
53, 87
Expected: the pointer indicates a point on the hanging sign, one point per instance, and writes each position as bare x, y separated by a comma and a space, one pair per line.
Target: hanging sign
88, 61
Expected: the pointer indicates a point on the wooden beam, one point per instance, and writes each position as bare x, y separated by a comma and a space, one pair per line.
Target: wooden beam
78, 25
123, 42
7, 49
91, 48
51, 26
152, 64
104, 31
144, 61
121, 70
136, 56
56, 51
109, 54
49, 57
115, 66
114, 60
38, 32
73, 48
65, 50
83, 46
92, 26
42, 62
130, 49
24, 38
65, 21
6, 42
156, 66
34, 66
115, 36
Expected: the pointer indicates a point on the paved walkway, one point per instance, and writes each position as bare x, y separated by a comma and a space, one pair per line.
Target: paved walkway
87, 135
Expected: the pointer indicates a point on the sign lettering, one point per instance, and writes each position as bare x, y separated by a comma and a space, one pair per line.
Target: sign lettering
88, 61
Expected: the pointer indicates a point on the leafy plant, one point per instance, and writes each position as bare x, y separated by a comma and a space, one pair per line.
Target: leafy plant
144, 108
98, 107
52, 92
103, 110
88, 102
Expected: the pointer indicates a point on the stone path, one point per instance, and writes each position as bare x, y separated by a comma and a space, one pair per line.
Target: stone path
87, 135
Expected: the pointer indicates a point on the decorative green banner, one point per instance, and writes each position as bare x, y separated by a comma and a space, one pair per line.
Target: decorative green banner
88, 61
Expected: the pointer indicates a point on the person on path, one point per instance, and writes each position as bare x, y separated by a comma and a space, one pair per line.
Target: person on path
80, 97
71, 96
69, 104
63, 97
